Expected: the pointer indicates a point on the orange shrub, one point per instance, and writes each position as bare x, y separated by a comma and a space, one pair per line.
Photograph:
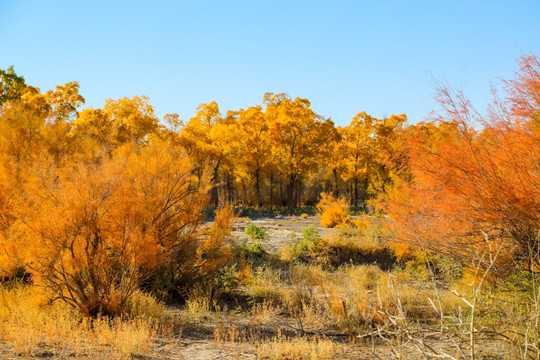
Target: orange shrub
98, 230
473, 187
334, 212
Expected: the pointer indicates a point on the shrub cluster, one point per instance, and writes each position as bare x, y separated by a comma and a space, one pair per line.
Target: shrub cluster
334, 212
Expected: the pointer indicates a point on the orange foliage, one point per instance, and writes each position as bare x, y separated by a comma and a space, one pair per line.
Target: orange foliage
94, 203
475, 189
96, 231
334, 212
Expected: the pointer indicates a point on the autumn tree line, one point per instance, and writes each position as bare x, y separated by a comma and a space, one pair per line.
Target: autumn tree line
95, 203
278, 153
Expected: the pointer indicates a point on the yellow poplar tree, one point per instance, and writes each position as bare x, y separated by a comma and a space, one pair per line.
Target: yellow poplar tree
254, 155
298, 136
208, 138
365, 147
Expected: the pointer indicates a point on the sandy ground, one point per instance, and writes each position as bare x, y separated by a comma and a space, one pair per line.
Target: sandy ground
281, 229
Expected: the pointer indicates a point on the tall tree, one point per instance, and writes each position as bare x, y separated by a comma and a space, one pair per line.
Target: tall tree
132, 119
208, 138
366, 146
298, 137
254, 148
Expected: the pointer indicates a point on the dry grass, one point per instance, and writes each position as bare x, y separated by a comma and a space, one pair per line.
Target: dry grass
263, 313
33, 328
353, 298
198, 304
338, 250
368, 277
298, 349
265, 284
142, 305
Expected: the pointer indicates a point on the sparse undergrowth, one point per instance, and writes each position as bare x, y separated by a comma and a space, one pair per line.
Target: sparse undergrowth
328, 297
348, 245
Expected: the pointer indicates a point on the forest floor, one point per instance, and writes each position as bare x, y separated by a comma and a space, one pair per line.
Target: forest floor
240, 334
297, 311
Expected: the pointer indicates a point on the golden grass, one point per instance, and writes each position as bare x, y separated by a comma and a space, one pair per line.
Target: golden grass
141, 304
368, 277
263, 313
298, 349
308, 297
351, 298
265, 283
31, 328
198, 304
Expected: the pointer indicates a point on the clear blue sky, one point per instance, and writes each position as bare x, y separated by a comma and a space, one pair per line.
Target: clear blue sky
344, 56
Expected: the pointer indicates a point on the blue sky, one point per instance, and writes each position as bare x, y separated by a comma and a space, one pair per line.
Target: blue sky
381, 57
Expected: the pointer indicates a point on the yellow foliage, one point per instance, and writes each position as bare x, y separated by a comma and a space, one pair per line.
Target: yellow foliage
334, 212
362, 223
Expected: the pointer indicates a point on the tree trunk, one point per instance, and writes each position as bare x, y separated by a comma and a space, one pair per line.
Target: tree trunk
244, 192
291, 191
258, 187
271, 191
355, 194
281, 192
214, 195
230, 188
336, 183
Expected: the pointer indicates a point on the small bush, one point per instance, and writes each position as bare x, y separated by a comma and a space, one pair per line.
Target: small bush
415, 264
227, 279
334, 212
301, 250
250, 252
367, 276
311, 234
256, 232
362, 222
